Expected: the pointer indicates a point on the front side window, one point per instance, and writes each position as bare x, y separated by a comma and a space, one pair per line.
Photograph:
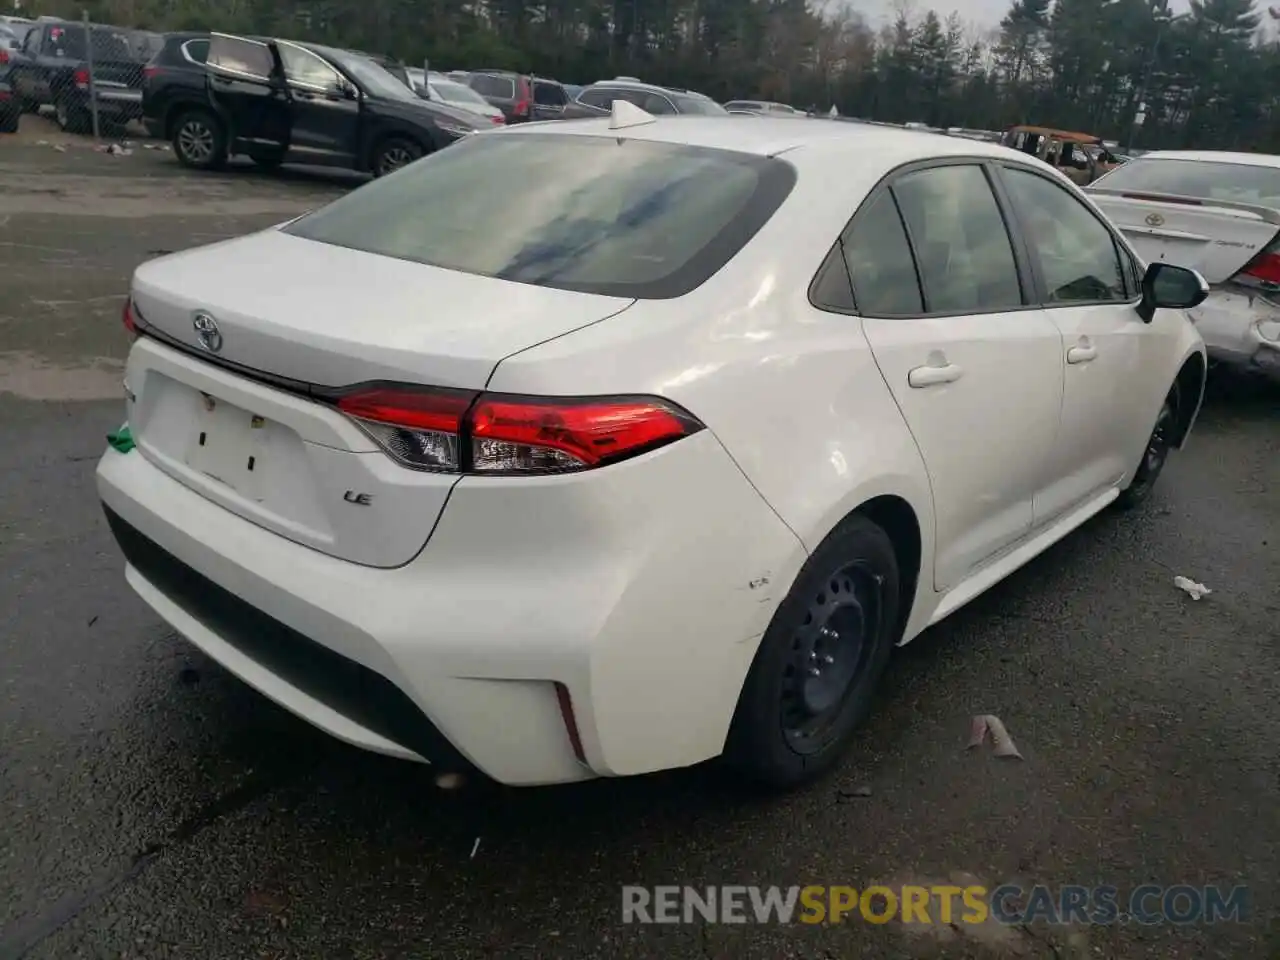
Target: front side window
549, 95
305, 68
961, 244
236, 55
880, 263
1078, 257
597, 98
657, 104
630, 218
197, 51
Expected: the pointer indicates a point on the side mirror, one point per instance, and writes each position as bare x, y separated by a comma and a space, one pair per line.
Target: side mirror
349, 91
1167, 287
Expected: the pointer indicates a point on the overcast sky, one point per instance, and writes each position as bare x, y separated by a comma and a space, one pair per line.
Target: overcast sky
983, 14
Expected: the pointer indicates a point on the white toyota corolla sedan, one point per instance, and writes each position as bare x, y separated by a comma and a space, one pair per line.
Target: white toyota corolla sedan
596, 448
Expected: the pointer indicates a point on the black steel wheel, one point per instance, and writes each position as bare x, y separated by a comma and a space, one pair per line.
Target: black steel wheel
199, 140
1155, 455
394, 153
813, 678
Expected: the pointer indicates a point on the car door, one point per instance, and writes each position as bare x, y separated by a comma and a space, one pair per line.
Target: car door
246, 87
325, 117
975, 367
23, 70
1111, 358
549, 100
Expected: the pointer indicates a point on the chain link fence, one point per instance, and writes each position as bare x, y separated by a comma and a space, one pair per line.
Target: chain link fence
88, 76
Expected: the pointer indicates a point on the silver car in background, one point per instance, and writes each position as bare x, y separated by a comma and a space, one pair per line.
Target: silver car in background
1218, 213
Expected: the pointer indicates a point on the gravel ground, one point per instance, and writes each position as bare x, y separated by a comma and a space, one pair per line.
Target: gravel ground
152, 806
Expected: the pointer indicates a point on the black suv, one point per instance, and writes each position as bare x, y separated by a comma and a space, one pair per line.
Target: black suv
279, 101
521, 97
52, 69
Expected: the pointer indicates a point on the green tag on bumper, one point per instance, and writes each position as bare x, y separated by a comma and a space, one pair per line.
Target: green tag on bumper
122, 440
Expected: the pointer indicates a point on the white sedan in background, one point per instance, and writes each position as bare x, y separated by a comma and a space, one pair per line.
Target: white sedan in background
1218, 213
443, 89
650, 461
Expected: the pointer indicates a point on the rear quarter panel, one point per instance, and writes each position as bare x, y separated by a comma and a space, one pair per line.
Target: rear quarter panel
793, 393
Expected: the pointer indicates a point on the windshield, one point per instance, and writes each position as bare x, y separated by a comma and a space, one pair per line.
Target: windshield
700, 107
1208, 180
376, 80
451, 92
624, 218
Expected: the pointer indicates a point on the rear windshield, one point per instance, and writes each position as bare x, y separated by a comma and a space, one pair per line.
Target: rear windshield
488, 86
108, 44
1240, 182
622, 218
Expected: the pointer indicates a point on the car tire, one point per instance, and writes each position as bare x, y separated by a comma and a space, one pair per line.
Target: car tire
1154, 455
267, 161
9, 121
815, 673
70, 118
393, 153
199, 140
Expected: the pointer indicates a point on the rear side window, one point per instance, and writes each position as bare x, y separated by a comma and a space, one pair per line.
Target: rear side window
627, 219
235, 55
880, 263
700, 107
487, 86
960, 241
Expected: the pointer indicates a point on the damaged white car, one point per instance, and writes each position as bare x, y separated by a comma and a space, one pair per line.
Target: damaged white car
1218, 213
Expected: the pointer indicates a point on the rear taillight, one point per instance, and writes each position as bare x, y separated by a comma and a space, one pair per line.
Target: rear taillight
81, 78
4, 57
148, 72
5, 95
489, 434
1264, 269
524, 100
498, 119
127, 318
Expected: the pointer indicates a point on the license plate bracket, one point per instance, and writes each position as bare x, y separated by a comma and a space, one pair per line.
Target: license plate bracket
228, 445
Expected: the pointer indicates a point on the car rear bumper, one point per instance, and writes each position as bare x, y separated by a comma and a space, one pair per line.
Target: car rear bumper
1235, 326
636, 594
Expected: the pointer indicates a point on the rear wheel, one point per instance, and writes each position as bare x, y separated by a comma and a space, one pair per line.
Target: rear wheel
393, 153
1155, 455
71, 118
199, 140
813, 678
9, 121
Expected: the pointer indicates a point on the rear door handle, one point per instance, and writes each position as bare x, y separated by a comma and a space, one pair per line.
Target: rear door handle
1081, 354
929, 375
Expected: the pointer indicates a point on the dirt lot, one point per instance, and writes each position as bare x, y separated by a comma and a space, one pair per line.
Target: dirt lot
152, 806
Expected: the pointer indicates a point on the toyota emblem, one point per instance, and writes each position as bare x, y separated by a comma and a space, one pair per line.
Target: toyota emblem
207, 332
1154, 220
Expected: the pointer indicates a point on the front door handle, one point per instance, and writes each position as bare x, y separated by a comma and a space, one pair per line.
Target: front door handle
1081, 354
928, 376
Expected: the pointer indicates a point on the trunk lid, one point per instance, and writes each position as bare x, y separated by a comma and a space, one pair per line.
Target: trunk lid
120, 74
1215, 237
308, 315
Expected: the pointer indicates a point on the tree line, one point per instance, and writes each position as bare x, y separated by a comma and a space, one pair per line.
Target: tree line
1206, 78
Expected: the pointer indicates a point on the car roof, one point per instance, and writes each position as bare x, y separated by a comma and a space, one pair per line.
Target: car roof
1214, 156
771, 136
